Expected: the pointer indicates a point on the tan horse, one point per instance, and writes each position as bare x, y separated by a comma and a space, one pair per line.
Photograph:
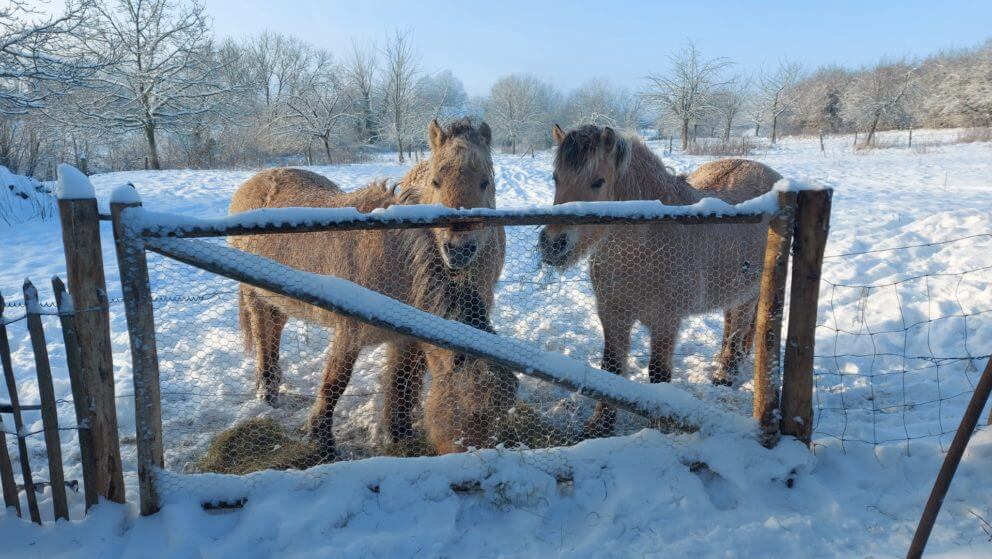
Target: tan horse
450, 272
661, 273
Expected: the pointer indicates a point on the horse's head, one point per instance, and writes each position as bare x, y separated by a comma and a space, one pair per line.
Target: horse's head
460, 175
588, 163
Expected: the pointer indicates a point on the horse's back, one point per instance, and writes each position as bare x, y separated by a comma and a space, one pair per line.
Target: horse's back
733, 180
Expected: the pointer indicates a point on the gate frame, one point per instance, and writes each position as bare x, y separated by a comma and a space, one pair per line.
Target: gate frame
802, 215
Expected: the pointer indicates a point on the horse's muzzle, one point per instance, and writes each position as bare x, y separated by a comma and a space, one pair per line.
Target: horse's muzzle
554, 248
457, 256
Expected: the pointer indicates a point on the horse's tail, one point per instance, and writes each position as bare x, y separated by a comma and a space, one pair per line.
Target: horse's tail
244, 318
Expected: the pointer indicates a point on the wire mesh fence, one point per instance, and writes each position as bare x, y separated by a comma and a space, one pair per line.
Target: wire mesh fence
226, 410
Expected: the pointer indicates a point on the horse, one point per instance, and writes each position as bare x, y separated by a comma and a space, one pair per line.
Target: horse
450, 272
659, 273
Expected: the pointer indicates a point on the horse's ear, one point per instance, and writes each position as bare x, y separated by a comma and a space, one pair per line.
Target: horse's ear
609, 139
435, 135
558, 134
486, 132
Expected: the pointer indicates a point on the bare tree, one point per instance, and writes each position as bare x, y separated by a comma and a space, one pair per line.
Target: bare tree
164, 75
41, 57
683, 94
516, 107
320, 106
359, 73
880, 92
400, 77
777, 91
728, 102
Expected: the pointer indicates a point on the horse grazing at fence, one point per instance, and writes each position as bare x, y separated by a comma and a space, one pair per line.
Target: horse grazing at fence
659, 273
450, 272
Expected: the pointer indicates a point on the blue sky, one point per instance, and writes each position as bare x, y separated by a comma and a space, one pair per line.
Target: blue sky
569, 42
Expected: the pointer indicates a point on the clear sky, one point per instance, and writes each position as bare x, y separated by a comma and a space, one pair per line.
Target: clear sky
568, 42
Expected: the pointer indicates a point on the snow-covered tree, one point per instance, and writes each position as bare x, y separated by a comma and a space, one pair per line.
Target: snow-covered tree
41, 56
401, 100
777, 91
517, 108
683, 93
360, 71
728, 102
882, 92
320, 108
164, 75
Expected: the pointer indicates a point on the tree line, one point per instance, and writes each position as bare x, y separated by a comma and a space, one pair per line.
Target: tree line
127, 84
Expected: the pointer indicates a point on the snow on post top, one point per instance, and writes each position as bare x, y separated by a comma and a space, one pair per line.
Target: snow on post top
73, 184
793, 185
125, 194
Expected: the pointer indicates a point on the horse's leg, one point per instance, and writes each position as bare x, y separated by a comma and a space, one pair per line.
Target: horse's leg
266, 324
616, 338
662, 347
337, 374
402, 383
738, 338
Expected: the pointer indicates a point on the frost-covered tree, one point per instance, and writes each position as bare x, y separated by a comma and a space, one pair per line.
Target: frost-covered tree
164, 75
683, 93
777, 93
728, 102
41, 56
517, 108
598, 102
401, 100
320, 107
360, 71
882, 92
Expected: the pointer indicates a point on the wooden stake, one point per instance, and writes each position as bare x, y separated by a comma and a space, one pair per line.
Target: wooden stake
133, 269
88, 287
809, 240
15, 410
7, 481
73, 360
768, 323
951, 461
49, 411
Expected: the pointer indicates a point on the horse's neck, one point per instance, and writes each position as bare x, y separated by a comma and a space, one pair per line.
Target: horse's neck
647, 178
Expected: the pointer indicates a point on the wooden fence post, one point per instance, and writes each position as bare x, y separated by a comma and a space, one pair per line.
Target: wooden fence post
133, 268
7, 481
49, 411
768, 322
70, 336
88, 287
15, 410
809, 241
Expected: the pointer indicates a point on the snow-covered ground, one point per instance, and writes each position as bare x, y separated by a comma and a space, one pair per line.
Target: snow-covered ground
897, 328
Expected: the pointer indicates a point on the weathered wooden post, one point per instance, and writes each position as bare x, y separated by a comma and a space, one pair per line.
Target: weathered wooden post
46, 393
144, 355
809, 241
88, 288
7, 481
768, 323
15, 411
70, 335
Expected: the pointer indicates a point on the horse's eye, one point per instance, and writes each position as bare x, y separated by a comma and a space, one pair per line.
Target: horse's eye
436, 184
598, 183
484, 184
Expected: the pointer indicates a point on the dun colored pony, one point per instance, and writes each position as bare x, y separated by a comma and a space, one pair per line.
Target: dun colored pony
450, 272
658, 274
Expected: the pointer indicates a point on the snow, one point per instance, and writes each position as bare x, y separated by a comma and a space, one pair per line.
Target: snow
629, 496
23, 199
125, 194
73, 184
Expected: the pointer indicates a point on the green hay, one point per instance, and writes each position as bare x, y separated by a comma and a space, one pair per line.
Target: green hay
255, 445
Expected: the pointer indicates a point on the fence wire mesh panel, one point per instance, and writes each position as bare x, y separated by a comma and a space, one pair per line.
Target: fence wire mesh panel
898, 360
232, 408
